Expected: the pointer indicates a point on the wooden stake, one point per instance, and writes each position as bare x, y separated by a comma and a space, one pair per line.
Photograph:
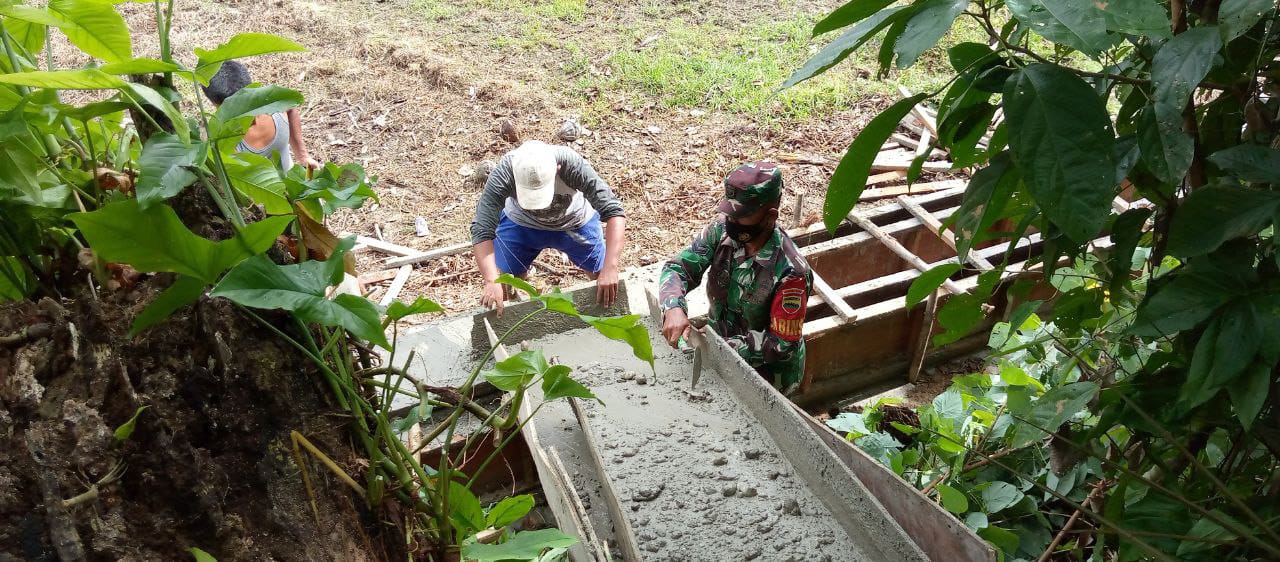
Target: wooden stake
899, 249
932, 223
402, 277
798, 216
921, 348
843, 310
384, 247
420, 257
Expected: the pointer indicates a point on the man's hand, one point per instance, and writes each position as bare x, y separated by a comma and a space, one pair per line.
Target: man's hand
311, 163
607, 286
675, 325
493, 296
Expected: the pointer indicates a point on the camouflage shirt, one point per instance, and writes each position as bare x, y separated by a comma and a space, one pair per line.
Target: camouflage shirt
757, 302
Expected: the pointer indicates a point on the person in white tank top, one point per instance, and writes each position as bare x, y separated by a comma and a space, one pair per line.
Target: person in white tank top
277, 135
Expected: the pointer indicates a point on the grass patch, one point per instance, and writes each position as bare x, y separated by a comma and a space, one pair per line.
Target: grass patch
435, 9
572, 11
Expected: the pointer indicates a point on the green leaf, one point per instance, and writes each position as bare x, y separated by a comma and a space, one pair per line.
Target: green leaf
143, 95
1225, 349
147, 239
931, 20
1014, 376
1126, 232
509, 279
422, 305
516, 371
258, 179
843, 45
509, 510
165, 165
139, 66
464, 510
929, 281
30, 14
850, 422
417, 414
556, 383
15, 281
525, 545
184, 291
953, 500
125, 431
959, 316
1249, 162
1062, 140
1136, 17
95, 27
240, 46
258, 101
1002, 539
1176, 71
627, 329
201, 556
1185, 301
1250, 392
92, 110
1075, 23
976, 520
1211, 216
850, 176
30, 35
556, 301
1000, 496
1235, 17
849, 13
84, 79
1166, 151
1206, 528
985, 200
1052, 410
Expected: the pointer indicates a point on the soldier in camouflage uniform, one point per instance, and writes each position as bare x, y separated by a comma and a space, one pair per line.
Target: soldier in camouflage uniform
758, 282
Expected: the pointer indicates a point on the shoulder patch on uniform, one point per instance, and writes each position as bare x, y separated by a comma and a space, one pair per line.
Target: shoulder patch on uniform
786, 316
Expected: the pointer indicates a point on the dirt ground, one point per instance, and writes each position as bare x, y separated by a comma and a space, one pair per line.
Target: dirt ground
417, 98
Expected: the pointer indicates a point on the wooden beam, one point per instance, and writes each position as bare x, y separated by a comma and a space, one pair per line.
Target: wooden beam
402, 277
887, 177
877, 193
798, 214
923, 146
1119, 205
929, 122
420, 257
913, 144
384, 247
899, 249
888, 166
932, 223
920, 349
843, 310
378, 276
622, 530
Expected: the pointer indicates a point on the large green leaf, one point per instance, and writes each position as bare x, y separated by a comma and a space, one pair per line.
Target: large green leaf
464, 510
626, 329
240, 46
849, 13
95, 27
524, 545
556, 383
258, 101
1166, 151
985, 201
144, 95
1235, 17
850, 176
1250, 162
84, 79
931, 20
509, 510
422, 305
952, 499
1250, 392
999, 496
516, 371
15, 281
929, 281
1193, 294
165, 167
259, 180
184, 291
1062, 141
1126, 232
1225, 348
1213, 215
1137, 17
1176, 71
140, 66
845, 44
29, 14
1075, 23
30, 35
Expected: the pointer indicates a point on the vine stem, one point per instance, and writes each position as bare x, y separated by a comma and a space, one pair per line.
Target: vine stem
1048, 552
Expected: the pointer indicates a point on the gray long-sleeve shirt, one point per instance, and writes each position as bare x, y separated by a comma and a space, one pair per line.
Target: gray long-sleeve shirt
577, 184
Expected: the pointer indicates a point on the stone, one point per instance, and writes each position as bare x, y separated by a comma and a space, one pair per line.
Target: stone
648, 494
791, 507
729, 489
570, 130
755, 553
752, 454
748, 493
720, 461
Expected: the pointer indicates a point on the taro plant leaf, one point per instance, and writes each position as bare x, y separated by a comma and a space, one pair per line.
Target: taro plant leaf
184, 291
465, 511
142, 94
15, 281
422, 305
240, 46
139, 66
850, 176
1250, 392
416, 415
1075, 23
29, 14
97, 109
848, 14
95, 27
524, 545
508, 279
516, 371
1062, 141
165, 164
556, 383
953, 500
929, 282
26, 33
999, 496
556, 301
258, 101
148, 239
1235, 17
125, 430
1199, 226
844, 45
301, 288
84, 79
627, 329
201, 556
1249, 162
258, 179
1176, 70
929, 22
509, 510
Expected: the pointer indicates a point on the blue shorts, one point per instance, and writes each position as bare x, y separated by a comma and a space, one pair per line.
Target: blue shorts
517, 246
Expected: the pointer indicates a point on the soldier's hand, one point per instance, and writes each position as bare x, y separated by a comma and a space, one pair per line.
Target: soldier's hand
493, 296
675, 325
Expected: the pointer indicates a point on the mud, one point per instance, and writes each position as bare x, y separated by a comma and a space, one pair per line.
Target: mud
697, 476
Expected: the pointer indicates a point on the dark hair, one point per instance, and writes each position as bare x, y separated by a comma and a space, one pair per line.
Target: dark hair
229, 79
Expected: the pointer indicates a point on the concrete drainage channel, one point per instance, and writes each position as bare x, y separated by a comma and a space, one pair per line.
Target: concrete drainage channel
726, 471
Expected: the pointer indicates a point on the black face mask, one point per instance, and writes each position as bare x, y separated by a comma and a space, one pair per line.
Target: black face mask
743, 233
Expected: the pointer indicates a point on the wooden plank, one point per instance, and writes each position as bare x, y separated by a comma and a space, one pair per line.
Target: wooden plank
420, 257
557, 486
923, 146
929, 122
598, 547
798, 215
384, 247
932, 223
887, 177
402, 277
623, 533
887, 166
829, 295
920, 349
898, 248
913, 144
378, 276
878, 193
1119, 205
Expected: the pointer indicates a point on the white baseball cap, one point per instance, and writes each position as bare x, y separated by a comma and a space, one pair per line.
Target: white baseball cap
534, 166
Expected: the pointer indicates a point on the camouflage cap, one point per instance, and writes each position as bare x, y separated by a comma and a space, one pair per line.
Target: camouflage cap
750, 187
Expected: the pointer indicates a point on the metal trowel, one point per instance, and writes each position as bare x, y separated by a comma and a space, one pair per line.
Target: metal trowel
696, 339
